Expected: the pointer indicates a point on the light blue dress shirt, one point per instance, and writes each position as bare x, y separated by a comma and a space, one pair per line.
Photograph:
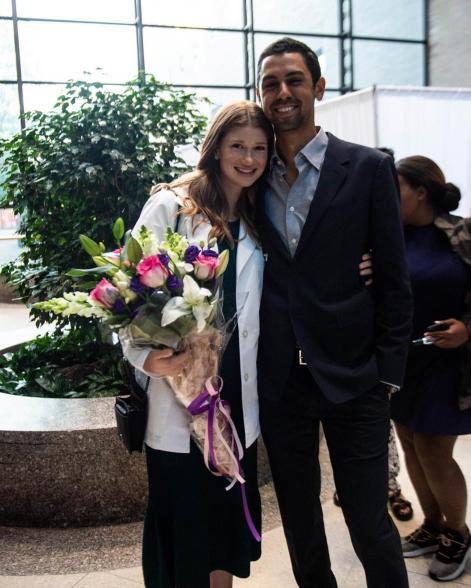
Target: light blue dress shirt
288, 206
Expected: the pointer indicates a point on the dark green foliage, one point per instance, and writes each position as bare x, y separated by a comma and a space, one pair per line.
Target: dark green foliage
74, 171
77, 365
78, 168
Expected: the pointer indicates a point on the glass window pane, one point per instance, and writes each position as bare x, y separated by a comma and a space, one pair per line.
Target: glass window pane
204, 13
327, 50
377, 62
9, 245
10, 110
7, 51
5, 7
104, 10
300, 16
194, 57
219, 97
43, 96
402, 19
62, 51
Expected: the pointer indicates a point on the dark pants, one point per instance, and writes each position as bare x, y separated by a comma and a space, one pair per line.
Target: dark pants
357, 437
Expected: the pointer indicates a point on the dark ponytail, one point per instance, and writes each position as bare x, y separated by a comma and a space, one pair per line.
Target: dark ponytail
419, 171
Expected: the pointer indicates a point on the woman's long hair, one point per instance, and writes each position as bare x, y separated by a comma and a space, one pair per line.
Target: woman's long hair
419, 171
205, 192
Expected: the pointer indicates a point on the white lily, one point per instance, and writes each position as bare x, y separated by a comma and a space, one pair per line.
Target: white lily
193, 301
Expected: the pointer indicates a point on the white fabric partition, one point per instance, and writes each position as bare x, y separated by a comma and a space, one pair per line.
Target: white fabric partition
435, 122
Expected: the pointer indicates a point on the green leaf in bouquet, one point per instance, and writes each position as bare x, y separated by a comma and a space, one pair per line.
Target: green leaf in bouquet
118, 229
77, 273
114, 322
223, 261
183, 325
90, 246
133, 251
146, 330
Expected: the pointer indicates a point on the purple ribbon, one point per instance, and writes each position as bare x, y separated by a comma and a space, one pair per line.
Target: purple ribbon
209, 401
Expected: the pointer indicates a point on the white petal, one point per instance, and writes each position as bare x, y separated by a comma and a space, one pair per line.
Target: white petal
173, 310
201, 313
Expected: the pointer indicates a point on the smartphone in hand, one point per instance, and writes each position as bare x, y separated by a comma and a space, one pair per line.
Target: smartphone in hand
434, 328
443, 326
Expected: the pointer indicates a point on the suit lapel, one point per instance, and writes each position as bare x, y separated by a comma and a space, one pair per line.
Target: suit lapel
332, 176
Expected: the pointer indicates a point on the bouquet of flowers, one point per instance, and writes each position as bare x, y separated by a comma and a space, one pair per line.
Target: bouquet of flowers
166, 294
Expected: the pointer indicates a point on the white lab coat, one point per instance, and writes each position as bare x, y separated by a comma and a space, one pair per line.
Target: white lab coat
168, 422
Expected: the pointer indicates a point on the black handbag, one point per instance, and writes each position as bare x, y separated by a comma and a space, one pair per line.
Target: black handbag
131, 411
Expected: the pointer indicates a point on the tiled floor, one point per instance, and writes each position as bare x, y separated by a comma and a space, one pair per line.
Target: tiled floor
273, 569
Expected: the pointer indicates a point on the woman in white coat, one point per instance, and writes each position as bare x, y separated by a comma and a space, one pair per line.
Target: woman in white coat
195, 533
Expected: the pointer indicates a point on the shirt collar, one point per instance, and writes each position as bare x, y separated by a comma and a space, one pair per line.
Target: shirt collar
314, 151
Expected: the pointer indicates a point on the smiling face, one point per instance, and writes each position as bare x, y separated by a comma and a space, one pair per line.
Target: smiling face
287, 92
242, 155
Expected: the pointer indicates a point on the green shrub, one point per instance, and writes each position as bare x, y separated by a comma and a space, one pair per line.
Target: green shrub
78, 168
75, 170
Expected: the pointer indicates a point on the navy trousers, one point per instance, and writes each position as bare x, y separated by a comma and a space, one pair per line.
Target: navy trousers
357, 437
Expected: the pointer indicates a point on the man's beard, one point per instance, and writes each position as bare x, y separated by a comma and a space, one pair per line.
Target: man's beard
288, 125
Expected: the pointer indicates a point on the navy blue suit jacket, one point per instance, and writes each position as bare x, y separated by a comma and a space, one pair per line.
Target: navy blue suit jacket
352, 336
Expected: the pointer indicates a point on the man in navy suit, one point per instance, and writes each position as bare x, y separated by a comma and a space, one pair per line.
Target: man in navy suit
331, 349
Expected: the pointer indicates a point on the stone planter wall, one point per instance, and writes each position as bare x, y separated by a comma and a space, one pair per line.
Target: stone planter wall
62, 464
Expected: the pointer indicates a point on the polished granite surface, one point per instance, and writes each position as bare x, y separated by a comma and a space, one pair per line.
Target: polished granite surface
24, 413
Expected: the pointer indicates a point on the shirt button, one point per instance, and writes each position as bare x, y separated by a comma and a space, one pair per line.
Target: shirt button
294, 241
291, 208
245, 333
246, 377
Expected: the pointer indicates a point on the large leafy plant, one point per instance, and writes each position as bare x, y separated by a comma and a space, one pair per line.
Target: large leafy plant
74, 170
92, 160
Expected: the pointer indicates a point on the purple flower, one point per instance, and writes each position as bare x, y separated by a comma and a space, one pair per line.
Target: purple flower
118, 307
134, 305
191, 253
164, 259
136, 285
174, 284
209, 253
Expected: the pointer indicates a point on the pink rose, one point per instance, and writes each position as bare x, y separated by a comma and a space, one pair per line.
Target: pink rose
104, 293
205, 266
152, 271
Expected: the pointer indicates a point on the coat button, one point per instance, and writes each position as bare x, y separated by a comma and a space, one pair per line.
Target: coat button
245, 333
246, 377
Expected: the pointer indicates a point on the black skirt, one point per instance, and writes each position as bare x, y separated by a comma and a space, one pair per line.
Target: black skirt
193, 525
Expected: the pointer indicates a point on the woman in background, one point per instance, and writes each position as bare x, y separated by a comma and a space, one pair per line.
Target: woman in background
431, 409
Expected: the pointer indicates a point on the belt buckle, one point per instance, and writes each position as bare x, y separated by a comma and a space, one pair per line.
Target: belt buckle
301, 357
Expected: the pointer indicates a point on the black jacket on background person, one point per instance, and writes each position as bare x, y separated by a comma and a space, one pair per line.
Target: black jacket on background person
351, 336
